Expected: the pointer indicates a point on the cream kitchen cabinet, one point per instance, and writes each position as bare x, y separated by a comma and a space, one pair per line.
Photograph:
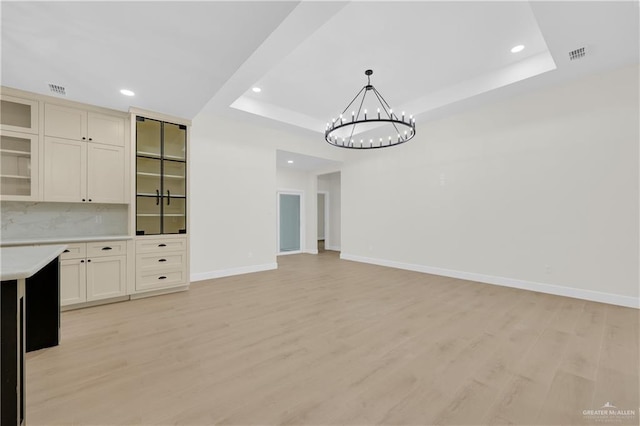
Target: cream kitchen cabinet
73, 281
161, 263
76, 124
93, 271
19, 115
77, 171
19, 161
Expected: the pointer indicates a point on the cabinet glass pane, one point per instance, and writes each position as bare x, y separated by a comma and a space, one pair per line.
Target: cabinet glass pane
149, 137
148, 216
148, 176
175, 217
15, 165
15, 114
175, 141
174, 178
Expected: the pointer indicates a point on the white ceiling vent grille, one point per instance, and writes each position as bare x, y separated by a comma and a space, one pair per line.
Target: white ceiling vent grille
577, 54
58, 90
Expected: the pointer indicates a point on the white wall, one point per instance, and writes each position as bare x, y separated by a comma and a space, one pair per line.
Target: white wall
305, 182
232, 192
538, 191
331, 183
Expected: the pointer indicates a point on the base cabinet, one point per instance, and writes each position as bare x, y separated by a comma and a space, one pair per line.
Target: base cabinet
161, 263
73, 281
106, 277
93, 271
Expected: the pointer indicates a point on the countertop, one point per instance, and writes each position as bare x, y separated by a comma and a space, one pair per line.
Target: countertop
63, 240
23, 262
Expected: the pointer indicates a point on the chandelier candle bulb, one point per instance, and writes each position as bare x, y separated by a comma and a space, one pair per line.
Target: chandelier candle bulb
402, 115
378, 113
365, 114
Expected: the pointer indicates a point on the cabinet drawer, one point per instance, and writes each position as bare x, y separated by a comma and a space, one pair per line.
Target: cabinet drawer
160, 261
156, 279
161, 245
106, 248
74, 251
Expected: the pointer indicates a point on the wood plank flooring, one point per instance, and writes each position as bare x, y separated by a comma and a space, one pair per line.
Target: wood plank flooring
322, 341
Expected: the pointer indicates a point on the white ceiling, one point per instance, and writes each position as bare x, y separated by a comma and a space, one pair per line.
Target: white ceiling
414, 48
308, 57
173, 55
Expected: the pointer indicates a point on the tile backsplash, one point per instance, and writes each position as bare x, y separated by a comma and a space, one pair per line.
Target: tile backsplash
21, 220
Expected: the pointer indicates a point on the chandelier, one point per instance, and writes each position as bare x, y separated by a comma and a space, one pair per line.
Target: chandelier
389, 129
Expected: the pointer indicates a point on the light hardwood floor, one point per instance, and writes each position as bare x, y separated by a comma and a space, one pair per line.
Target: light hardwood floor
325, 342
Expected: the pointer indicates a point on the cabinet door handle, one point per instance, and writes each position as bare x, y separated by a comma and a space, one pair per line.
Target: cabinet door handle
83, 200
66, 251
168, 197
157, 197
84, 139
162, 245
106, 248
90, 139
89, 199
162, 278
162, 260
82, 261
88, 260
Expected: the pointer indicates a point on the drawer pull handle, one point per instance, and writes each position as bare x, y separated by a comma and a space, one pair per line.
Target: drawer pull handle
162, 278
162, 260
82, 261
106, 248
162, 245
66, 251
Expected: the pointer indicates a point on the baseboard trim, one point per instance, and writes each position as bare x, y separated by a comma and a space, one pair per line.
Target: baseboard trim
311, 251
201, 276
594, 296
332, 248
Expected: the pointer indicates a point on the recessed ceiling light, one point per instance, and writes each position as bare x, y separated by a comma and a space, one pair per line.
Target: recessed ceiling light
518, 48
127, 92
290, 161
257, 89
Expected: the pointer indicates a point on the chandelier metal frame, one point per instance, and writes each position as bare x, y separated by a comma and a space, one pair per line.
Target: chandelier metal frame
387, 116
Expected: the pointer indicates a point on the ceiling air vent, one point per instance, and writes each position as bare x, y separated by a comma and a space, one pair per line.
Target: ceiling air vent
58, 90
577, 54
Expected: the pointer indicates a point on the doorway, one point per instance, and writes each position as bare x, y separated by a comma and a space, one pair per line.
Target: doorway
289, 222
323, 220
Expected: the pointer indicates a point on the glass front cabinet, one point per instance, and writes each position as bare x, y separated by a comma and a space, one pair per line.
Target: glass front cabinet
19, 164
161, 177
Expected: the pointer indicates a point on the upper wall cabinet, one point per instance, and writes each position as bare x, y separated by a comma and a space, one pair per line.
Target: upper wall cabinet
76, 124
76, 171
18, 115
18, 166
161, 177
